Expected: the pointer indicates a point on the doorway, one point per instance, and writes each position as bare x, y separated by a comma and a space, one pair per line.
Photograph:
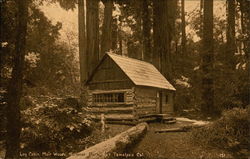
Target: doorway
159, 102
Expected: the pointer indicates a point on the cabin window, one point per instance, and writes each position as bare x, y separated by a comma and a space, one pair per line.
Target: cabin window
108, 97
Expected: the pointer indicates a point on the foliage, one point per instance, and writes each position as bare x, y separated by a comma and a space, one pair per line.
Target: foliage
231, 131
48, 61
57, 65
230, 85
49, 120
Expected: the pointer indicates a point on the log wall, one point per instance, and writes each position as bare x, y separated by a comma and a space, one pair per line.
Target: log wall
145, 101
113, 110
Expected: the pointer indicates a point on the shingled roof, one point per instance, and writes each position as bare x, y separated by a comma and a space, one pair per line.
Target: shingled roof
141, 73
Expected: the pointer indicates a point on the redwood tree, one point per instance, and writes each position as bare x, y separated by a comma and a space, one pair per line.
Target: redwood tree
160, 36
82, 42
164, 14
16, 84
146, 25
92, 29
106, 41
183, 28
207, 59
231, 44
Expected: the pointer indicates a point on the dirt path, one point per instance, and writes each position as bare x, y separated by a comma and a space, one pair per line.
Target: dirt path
173, 145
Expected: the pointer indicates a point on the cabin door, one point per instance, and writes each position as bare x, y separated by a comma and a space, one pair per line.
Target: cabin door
159, 102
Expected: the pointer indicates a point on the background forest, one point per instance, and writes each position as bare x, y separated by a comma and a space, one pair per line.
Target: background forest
42, 76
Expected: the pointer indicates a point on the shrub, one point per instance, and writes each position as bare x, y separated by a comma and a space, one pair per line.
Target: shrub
230, 131
52, 124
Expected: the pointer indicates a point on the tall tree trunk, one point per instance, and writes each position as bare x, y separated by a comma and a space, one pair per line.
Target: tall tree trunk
106, 43
138, 53
183, 28
201, 16
92, 7
82, 48
231, 43
1, 40
120, 36
208, 59
16, 84
245, 25
161, 36
146, 31
114, 34
164, 14
82, 42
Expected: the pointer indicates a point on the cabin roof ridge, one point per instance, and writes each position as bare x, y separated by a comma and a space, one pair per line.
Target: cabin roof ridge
141, 73
110, 53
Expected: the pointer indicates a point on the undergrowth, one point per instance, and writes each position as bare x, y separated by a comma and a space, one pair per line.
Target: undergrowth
230, 132
52, 123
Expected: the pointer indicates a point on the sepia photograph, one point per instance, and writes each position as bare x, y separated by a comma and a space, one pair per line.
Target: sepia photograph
124, 79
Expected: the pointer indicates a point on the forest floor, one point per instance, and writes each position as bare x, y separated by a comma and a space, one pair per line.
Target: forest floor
174, 145
153, 145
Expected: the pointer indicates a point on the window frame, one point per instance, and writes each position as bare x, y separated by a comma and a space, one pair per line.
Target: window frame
108, 97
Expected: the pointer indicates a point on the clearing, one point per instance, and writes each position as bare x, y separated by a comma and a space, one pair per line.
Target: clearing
175, 145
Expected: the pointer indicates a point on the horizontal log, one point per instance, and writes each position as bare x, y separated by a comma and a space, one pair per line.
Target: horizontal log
170, 122
128, 94
111, 91
111, 105
125, 111
108, 81
145, 102
145, 113
179, 129
146, 105
146, 97
113, 116
147, 119
112, 109
123, 122
171, 130
117, 144
145, 109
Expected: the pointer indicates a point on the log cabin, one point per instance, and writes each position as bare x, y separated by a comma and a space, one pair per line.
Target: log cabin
124, 88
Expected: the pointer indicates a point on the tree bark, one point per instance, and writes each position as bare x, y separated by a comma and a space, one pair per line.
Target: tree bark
231, 43
163, 14
82, 41
106, 43
16, 84
120, 37
114, 145
245, 26
136, 50
1, 40
114, 34
146, 23
201, 17
92, 29
160, 36
207, 59
183, 28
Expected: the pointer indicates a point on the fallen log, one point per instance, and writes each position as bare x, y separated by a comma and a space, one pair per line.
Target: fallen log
179, 129
170, 130
113, 146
